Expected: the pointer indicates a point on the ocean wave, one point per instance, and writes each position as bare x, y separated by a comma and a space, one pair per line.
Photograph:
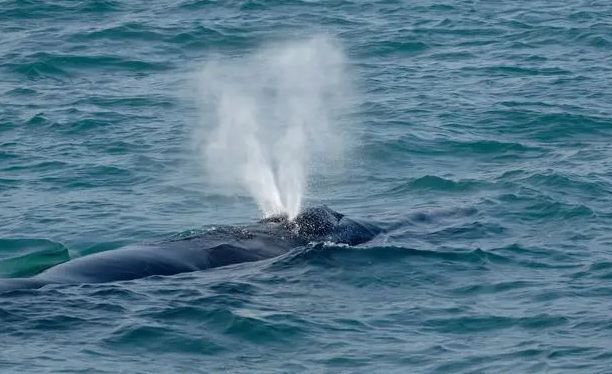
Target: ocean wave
127, 31
468, 325
551, 127
542, 207
488, 150
30, 9
435, 183
509, 70
54, 65
391, 48
346, 257
26, 257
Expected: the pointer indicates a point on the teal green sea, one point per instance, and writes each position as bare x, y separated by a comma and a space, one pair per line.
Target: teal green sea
482, 145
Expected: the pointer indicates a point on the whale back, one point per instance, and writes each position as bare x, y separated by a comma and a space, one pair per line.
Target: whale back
221, 246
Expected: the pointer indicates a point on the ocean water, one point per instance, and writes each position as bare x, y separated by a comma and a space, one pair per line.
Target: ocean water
480, 140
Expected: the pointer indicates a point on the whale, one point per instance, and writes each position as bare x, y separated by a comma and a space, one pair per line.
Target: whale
217, 247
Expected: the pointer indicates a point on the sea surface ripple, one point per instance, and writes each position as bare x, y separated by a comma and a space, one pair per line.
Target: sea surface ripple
484, 149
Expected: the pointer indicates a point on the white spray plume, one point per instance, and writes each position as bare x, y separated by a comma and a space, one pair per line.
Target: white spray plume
270, 118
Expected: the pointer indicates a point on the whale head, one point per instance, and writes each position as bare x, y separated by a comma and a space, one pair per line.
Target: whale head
324, 224
316, 222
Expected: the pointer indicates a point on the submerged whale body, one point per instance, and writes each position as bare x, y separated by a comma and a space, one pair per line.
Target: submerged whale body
223, 246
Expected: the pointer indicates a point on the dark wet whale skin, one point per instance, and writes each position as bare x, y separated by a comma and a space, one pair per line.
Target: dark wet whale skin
223, 246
